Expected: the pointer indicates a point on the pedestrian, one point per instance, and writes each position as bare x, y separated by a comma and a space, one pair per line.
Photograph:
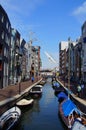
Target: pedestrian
79, 90
32, 78
82, 89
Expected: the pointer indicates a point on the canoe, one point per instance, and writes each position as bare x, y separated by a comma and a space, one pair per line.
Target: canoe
24, 102
10, 118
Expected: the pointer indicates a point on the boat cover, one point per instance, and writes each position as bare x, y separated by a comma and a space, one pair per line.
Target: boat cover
62, 95
68, 107
56, 84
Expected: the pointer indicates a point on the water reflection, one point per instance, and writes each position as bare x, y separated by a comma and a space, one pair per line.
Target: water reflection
44, 113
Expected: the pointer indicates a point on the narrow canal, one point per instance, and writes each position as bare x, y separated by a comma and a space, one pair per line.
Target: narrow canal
44, 113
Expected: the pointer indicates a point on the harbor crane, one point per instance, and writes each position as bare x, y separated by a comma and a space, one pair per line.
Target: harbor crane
50, 57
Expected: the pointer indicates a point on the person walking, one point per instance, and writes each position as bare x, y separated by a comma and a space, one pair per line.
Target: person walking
79, 90
82, 90
32, 78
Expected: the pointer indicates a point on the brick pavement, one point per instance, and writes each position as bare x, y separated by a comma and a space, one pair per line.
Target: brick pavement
7, 94
13, 90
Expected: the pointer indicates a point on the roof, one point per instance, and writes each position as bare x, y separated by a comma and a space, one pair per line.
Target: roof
68, 107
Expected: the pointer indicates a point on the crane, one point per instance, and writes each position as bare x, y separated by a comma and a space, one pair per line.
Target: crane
50, 57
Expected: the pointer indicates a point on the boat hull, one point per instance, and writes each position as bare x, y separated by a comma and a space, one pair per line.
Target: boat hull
10, 118
24, 103
36, 92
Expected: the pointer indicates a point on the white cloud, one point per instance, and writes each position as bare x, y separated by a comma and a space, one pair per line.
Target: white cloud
80, 10
80, 13
24, 8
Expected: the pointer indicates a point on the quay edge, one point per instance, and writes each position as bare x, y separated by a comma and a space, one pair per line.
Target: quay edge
81, 103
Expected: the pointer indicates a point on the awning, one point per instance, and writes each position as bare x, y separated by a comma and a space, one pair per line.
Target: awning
68, 107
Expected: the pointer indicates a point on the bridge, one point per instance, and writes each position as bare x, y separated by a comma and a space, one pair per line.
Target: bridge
47, 73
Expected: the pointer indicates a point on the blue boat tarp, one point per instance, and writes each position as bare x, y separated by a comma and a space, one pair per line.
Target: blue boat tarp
62, 95
56, 84
68, 107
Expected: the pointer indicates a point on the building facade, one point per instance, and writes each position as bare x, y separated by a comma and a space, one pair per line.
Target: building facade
16, 55
83, 37
5, 41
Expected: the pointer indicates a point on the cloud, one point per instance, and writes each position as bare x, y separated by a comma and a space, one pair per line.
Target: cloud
80, 12
19, 7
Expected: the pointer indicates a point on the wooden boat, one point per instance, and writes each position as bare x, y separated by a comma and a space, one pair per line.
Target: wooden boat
66, 110
25, 102
55, 84
42, 82
10, 118
62, 96
58, 90
36, 91
38, 85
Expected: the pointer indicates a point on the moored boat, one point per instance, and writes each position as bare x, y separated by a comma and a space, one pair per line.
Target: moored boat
10, 118
42, 82
24, 102
66, 111
36, 91
38, 85
55, 84
62, 96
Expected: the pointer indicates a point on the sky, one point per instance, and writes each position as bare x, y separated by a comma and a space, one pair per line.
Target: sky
46, 23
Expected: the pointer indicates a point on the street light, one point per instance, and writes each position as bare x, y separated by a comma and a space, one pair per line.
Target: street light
79, 49
69, 66
18, 68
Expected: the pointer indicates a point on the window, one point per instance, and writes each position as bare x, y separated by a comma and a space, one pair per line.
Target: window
7, 25
84, 39
0, 16
2, 19
7, 39
2, 35
4, 51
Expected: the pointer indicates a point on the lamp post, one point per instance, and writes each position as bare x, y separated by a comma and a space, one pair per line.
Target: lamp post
19, 76
69, 67
79, 50
18, 68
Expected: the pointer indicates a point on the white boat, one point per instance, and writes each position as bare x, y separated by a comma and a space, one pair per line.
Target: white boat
42, 82
25, 102
36, 91
38, 85
10, 118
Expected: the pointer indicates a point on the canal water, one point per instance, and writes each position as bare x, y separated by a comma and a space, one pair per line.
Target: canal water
43, 115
